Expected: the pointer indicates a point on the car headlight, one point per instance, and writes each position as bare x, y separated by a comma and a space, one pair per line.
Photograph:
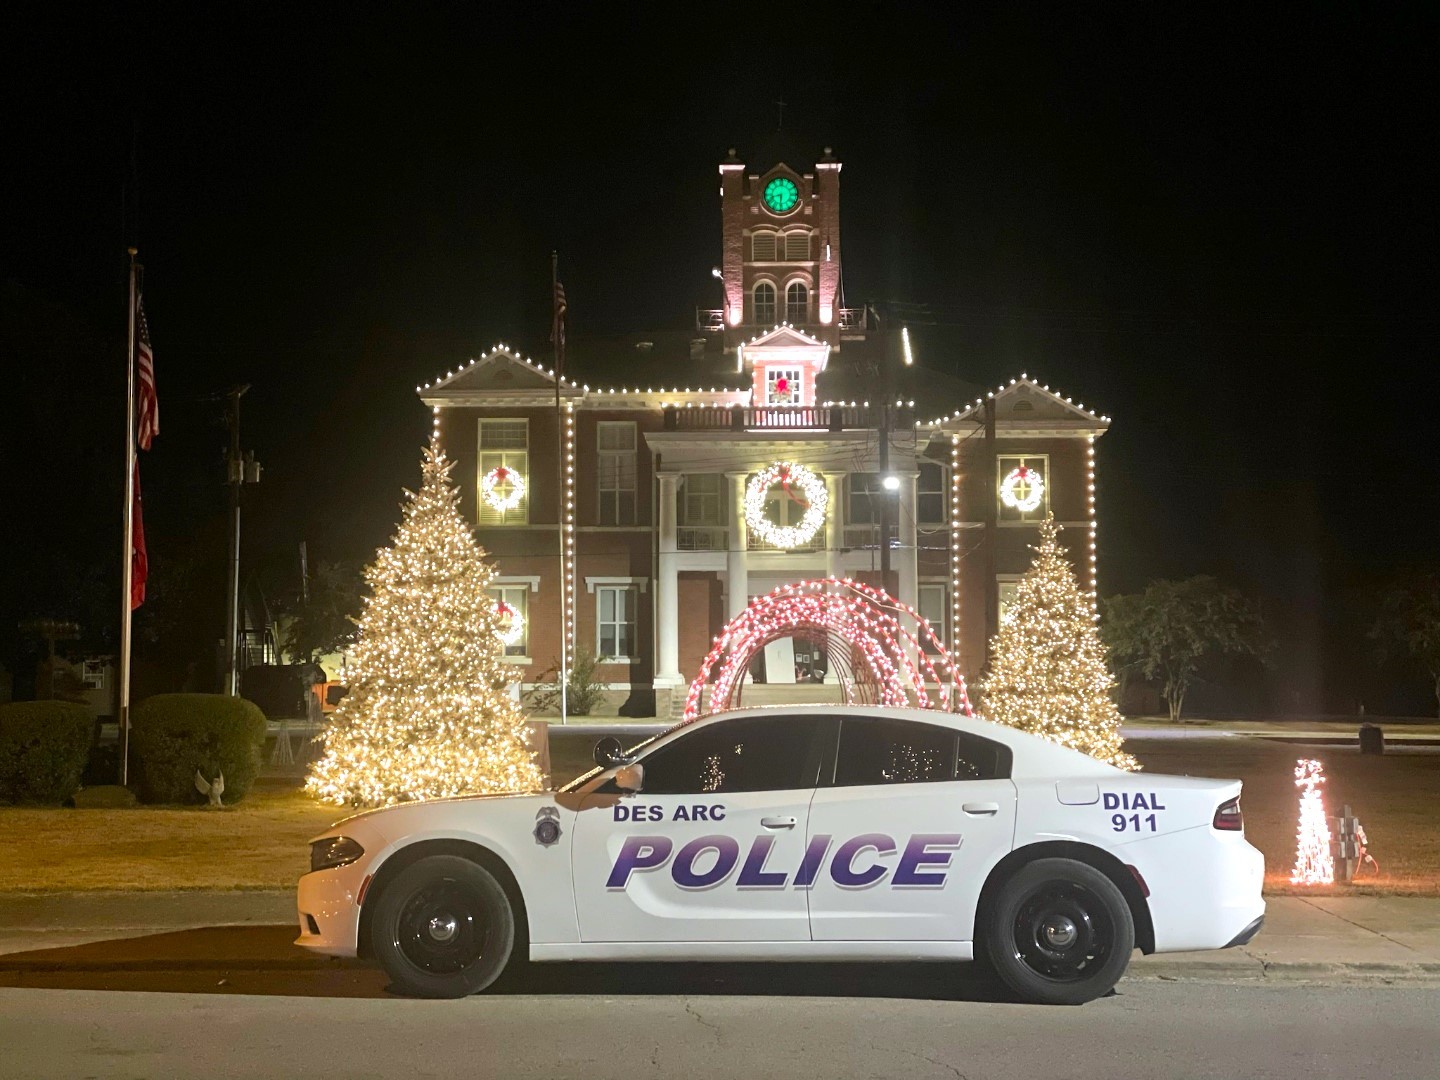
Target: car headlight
333, 851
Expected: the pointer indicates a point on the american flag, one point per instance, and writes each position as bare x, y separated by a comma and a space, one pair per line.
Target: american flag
557, 329
147, 405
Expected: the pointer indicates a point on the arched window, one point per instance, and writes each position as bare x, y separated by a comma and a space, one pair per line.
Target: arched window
797, 303
797, 246
764, 246
765, 303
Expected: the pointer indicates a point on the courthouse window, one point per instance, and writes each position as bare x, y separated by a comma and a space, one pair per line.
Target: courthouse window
518, 597
1036, 469
934, 605
930, 495
615, 607
764, 302
616, 439
797, 302
702, 499
504, 443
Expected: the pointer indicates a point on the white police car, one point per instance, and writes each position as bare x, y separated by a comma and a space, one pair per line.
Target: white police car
812, 833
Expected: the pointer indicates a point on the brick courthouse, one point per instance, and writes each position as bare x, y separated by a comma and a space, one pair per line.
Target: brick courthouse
655, 471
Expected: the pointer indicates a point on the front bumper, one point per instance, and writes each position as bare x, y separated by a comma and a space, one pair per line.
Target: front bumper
328, 903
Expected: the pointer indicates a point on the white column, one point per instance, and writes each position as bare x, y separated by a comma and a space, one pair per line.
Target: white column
667, 588
906, 561
834, 524
737, 559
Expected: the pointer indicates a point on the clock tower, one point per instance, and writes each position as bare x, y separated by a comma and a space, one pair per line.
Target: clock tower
781, 249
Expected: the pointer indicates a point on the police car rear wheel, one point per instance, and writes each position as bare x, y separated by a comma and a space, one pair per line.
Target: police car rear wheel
1059, 933
443, 928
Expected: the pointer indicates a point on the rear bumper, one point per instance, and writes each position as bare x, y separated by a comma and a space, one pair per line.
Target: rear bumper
1204, 888
1243, 938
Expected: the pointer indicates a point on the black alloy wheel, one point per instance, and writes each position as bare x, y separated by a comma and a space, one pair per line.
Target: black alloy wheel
443, 928
1058, 932
1062, 931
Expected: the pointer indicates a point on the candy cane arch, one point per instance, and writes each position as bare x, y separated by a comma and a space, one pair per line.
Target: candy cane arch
846, 613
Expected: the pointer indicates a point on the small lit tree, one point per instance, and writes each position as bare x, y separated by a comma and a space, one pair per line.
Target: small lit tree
1047, 672
428, 713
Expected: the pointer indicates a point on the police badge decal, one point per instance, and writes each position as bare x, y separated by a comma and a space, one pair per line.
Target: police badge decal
547, 826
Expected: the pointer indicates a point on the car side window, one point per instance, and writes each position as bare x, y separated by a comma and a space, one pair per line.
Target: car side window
752, 754
889, 751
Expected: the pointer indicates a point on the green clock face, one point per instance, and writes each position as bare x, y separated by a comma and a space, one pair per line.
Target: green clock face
781, 194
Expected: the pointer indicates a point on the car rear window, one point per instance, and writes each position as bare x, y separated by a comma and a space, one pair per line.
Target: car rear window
891, 751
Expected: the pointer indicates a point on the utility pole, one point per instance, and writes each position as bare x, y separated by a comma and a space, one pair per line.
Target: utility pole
240, 469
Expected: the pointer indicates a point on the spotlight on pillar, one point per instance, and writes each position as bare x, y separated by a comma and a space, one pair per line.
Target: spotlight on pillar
891, 483
715, 273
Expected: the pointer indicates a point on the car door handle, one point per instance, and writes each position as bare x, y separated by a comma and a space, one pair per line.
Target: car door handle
978, 808
778, 822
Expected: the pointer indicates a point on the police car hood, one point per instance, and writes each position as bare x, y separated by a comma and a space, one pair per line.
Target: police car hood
417, 804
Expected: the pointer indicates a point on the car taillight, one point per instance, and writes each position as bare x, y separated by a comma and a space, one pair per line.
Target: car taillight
1228, 817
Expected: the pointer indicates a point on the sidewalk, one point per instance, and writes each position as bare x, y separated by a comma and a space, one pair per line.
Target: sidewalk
1305, 938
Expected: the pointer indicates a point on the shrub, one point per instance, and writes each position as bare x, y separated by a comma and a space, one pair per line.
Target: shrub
583, 691
173, 735
43, 746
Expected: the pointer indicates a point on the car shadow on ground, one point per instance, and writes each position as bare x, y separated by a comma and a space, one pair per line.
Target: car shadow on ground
262, 960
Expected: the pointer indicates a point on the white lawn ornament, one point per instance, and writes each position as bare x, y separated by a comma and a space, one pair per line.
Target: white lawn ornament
212, 788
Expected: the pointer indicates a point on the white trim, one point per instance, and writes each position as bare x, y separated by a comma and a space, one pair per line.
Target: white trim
638, 582
517, 579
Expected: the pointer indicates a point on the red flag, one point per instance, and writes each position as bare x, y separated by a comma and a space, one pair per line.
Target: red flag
139, 561
557, 328
147, 406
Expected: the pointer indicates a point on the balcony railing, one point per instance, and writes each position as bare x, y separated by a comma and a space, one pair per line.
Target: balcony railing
771, 417
815, 543
712, 320
867, 537
702, 538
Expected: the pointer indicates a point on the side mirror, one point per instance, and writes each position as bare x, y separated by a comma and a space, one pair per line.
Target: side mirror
609, 752
630, 777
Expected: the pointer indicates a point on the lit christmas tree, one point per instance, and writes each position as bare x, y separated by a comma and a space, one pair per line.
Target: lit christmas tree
1314, 864
427, 713
1048, 674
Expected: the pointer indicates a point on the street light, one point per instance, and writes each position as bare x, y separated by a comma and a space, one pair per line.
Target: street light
891, 483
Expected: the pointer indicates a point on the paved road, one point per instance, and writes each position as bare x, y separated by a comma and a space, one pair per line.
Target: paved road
697, 1022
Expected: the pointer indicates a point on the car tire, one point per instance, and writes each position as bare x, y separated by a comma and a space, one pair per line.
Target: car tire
1058, 932
443, 928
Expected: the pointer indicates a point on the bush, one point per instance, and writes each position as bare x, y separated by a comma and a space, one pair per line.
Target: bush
43, 747
583, 691
173, 735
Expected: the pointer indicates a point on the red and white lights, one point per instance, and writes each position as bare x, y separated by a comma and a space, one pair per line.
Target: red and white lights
905, 667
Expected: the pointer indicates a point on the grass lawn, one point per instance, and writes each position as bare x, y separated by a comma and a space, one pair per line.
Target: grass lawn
1396, 797
258, 843
261, 843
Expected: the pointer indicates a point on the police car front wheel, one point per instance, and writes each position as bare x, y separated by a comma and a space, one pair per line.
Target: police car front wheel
1059, 933
443, 928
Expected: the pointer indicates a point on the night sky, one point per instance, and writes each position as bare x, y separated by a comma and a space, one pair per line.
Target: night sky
1218, 226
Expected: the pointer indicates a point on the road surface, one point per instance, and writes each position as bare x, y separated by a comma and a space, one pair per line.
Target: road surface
211, 1018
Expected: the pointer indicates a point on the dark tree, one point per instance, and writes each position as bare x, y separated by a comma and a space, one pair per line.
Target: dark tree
1170, 629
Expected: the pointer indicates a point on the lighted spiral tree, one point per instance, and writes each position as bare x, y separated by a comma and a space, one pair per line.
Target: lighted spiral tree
1314, 864
865, 633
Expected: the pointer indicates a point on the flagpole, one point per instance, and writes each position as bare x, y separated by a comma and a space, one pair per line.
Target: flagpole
557, 333
127, 561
